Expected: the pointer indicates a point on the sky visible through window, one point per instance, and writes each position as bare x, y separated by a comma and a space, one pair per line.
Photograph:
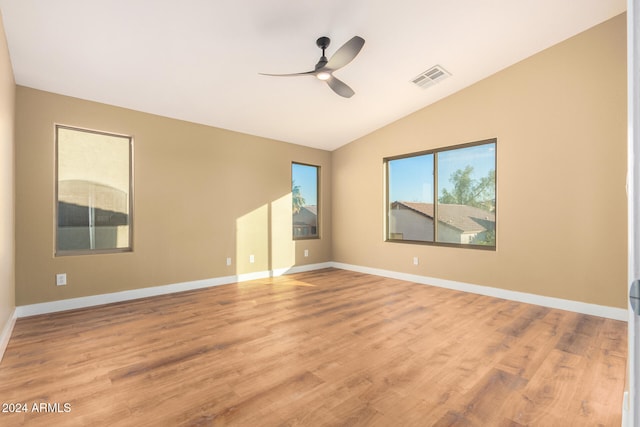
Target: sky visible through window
411, 178
307, 178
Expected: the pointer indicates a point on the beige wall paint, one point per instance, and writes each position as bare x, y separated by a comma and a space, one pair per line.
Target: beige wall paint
560, 120
201, 194
7, 175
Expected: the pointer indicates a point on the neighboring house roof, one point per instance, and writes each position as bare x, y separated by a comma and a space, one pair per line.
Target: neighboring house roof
100, 196
311, 208
72, 215
464, 218
307, 215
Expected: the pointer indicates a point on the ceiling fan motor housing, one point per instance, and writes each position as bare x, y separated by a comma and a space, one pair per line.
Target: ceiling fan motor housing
323, 43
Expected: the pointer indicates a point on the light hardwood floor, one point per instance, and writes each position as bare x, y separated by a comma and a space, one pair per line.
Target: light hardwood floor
324, 348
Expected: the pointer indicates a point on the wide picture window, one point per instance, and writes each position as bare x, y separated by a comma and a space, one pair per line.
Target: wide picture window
443, 197
93, 191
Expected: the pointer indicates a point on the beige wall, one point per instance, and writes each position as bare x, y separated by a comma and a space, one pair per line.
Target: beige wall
560, 120
201, 195
7, 195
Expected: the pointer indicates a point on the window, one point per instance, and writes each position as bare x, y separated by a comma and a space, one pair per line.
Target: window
454, 185
93, 191
304, 197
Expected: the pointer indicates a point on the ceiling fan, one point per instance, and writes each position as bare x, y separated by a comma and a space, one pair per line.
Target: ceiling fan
324, 68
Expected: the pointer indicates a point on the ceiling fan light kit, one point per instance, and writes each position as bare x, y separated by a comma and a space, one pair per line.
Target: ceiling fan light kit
324, 69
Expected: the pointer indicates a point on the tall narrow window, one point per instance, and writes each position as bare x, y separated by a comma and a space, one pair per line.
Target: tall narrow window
93, 191
445, 196
304, 195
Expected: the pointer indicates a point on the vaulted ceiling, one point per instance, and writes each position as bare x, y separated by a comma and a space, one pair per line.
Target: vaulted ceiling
199, 60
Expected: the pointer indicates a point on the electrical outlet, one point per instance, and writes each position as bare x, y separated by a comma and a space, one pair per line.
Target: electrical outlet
252, 259
415, 260
61, 279
306, 252
228, 261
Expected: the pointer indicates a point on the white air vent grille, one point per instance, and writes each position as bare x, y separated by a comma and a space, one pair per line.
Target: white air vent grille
430, 77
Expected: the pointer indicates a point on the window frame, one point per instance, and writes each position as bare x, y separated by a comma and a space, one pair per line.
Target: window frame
435, 152
318, 203
74, 252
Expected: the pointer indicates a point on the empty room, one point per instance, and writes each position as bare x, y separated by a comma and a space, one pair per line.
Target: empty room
294, 213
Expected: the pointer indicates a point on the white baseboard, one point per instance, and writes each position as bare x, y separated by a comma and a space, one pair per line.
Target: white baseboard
89, 301
245, 277
625, 410
551, 302
301, 268
5, 335
94, 300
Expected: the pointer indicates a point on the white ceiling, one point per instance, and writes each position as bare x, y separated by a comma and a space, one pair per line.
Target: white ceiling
198, 60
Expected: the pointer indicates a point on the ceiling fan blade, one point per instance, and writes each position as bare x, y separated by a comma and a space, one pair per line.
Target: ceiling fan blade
340, 87
306, 73
346, 53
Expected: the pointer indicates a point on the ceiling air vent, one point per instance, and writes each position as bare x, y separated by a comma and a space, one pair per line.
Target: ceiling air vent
430, 77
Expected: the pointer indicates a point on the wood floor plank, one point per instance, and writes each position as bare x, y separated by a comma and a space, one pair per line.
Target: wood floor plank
323, 348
